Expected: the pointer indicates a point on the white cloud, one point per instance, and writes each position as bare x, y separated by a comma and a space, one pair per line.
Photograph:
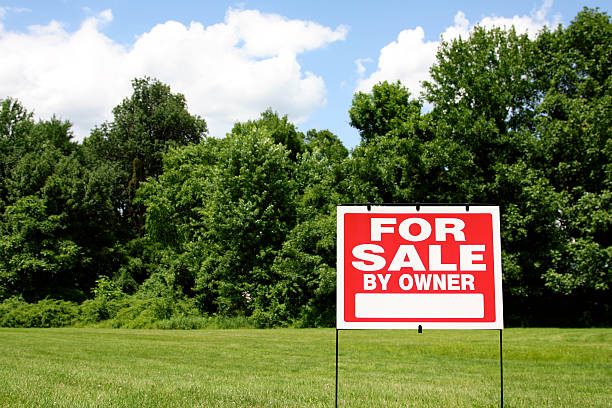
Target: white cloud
228, 71
268, 35
529, 25
406, 59
409, 58
461, 28
361, 69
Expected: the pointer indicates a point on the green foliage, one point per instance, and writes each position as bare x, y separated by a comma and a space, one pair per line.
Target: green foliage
117, 312
388, 108
145, 126
57, 213
34, 260
325, 144
164, 226
232, 204
485, 86
280, 130
14, 312
107, 289
305, 292
222, 211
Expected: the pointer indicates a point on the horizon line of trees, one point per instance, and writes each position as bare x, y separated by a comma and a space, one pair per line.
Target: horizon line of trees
149, 206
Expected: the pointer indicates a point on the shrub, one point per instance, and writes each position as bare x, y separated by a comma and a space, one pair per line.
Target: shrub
141, 313
130, 312
99, 309
15, 312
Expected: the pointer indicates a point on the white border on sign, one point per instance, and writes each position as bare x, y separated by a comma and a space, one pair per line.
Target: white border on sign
423, 209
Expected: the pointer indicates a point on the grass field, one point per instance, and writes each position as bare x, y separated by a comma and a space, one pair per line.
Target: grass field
296, 368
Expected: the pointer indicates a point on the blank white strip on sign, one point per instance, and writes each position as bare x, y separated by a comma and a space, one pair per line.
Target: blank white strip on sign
419, 305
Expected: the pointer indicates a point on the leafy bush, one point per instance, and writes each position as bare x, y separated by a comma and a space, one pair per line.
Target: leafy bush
99, 309
111, 311
138, 313
15, 312
129, 312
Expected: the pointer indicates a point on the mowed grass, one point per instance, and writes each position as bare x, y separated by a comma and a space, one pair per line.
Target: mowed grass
296, 368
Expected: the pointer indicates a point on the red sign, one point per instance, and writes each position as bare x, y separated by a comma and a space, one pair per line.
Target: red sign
438, 267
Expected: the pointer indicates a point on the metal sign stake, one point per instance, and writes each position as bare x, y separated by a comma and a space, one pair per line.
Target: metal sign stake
501, 369
337, 367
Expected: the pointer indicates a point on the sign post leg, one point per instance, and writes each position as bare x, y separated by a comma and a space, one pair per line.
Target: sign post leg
336, 368
501, 369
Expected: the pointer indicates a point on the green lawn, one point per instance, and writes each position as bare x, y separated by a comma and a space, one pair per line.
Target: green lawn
295, 368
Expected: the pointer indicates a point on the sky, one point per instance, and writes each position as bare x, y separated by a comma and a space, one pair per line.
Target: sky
75, 59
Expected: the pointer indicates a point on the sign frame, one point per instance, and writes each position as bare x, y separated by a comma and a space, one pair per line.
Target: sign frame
416, 210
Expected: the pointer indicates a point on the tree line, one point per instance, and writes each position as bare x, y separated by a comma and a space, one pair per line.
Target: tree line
151, 210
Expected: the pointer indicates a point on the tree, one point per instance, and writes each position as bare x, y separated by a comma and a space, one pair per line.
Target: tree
389, 107
279, 129
145, 126
407, 158
46, 247
485, 90
573, 125
324, 143
170, 251
248, 213
15, 124
224, 207
35, 261
304, 291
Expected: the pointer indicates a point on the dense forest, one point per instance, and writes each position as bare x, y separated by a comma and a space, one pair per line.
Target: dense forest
151, 219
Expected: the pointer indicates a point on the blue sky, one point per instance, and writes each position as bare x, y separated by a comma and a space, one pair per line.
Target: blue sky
232, 60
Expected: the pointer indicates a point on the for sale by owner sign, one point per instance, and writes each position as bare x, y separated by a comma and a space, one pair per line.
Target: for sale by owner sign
404, 266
